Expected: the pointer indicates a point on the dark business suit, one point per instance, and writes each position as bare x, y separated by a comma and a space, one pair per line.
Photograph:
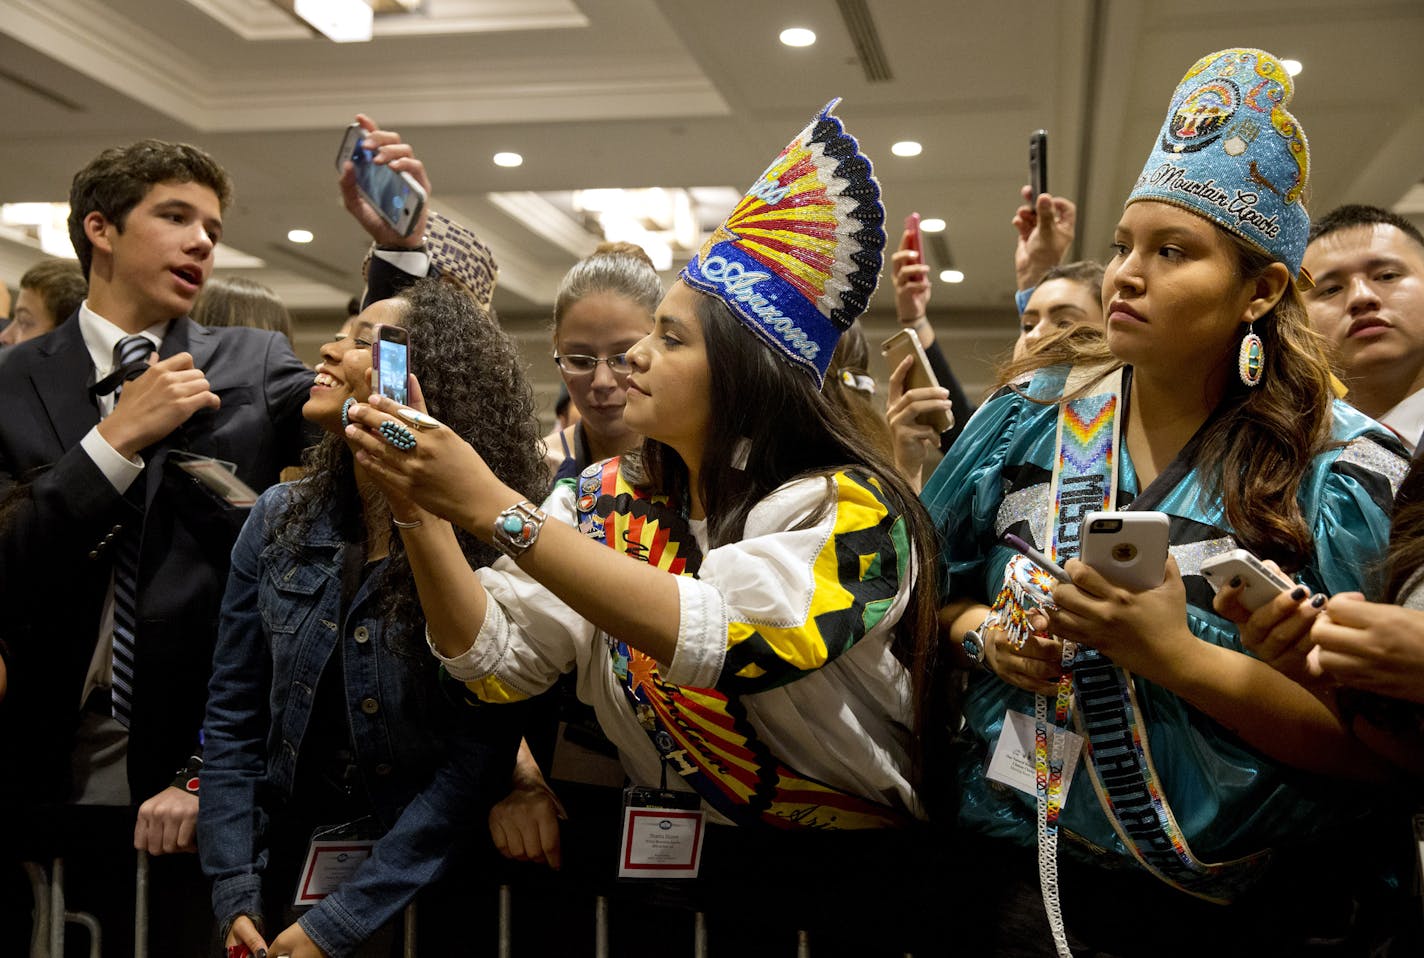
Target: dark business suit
62, 515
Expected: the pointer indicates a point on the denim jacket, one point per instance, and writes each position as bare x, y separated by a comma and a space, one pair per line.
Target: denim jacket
420, 761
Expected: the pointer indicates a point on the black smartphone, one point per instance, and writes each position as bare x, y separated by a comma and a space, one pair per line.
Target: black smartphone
391, 360
396, 196
1038, 163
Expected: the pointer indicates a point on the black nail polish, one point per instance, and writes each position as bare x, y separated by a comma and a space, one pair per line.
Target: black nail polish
1235, 581
1299, 592
1318, 600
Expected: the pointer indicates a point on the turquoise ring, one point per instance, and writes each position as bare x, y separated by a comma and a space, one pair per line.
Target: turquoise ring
397, 435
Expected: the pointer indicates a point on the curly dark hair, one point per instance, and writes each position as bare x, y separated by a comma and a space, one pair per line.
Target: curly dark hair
473, 380
118, 179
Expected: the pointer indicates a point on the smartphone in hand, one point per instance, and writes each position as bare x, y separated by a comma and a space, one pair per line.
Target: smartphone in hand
1038, 164
1259, 583
1129, 549
396, 196
907, 343
916, 241
391, 361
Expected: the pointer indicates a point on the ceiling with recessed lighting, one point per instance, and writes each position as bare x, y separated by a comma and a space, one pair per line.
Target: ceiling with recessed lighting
634, 94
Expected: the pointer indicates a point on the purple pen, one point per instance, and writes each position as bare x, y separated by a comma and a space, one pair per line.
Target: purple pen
1038, 558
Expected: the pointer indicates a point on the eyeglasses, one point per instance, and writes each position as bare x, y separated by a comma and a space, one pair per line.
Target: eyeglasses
575, 365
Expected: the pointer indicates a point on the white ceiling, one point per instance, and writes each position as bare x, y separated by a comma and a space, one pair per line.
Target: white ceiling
673, 93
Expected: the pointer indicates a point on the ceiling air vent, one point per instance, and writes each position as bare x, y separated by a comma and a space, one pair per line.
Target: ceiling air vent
860, 26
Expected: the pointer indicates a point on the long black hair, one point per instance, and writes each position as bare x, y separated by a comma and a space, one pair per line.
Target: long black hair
791, 432
473, 381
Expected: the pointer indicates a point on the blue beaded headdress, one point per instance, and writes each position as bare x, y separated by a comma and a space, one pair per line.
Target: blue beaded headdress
1231, 152
799, 257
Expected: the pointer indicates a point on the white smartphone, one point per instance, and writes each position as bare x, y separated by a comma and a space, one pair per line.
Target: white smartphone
1128, 548
391, 361
1259, 583
396, 196
907, 343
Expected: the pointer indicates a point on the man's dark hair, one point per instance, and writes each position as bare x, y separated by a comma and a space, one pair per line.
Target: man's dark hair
116, 181
60, 285
1358, 214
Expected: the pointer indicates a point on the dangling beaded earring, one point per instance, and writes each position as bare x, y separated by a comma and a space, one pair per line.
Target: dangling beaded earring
1251, 362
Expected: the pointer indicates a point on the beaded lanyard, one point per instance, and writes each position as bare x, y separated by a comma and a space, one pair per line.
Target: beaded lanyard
1084, 480
1107, 713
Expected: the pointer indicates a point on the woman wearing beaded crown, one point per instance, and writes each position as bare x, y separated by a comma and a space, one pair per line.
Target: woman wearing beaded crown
1210, 402
749, 488
766, 673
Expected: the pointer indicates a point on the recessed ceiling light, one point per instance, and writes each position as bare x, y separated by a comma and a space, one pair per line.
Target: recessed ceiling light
951, 275
932, 225
300, 236
798, 37
508, 159
1293, 67
907, 148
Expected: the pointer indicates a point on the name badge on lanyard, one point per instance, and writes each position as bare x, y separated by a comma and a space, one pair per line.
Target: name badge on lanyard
332, 858
663, 833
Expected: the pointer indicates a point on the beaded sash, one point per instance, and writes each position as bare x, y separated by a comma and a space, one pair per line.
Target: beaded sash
1096, 695
703, 734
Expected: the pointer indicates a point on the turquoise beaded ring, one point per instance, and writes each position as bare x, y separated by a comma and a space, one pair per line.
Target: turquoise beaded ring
397, 435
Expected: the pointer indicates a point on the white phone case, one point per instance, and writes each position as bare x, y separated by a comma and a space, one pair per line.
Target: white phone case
1259, 584
1129, 549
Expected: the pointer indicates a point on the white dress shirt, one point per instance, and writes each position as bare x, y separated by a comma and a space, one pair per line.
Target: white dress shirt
100, 337
1407, 418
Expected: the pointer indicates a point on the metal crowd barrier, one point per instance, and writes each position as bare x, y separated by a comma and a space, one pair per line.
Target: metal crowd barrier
52, 918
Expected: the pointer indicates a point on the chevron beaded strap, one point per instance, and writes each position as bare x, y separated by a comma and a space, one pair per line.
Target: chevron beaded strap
1103, 700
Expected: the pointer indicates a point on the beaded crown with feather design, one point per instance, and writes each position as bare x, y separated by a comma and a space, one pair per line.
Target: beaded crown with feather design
799, 257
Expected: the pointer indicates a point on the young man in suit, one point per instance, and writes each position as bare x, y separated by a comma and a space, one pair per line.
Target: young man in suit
113, 558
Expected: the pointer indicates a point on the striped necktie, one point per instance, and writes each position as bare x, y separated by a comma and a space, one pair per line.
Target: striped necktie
128, 351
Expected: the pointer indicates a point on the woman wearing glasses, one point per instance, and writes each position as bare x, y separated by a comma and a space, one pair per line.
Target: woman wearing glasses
604, 305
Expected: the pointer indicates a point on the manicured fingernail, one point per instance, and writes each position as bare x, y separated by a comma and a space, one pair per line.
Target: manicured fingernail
1318, 600
1235, 581
1299, 592
261, 953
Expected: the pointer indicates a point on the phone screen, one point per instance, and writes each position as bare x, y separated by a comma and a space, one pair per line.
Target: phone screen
395, 196
393, 370
386, 190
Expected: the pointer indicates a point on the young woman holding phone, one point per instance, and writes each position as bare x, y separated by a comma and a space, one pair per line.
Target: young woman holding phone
1211, 402
764, 677
324, 712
